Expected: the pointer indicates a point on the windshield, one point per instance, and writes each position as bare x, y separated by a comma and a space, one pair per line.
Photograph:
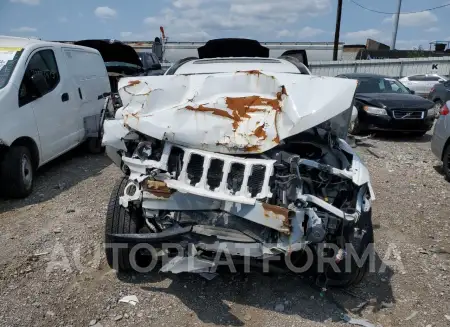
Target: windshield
8, 59
380, 85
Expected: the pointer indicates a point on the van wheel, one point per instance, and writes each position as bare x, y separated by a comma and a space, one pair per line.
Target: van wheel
94, 145
120, 220
17, 172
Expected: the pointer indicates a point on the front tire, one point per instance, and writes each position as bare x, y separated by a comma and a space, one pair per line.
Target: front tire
17, 172
119, 220
362, 240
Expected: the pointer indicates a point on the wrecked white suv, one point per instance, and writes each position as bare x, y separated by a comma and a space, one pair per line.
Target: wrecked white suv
239, 155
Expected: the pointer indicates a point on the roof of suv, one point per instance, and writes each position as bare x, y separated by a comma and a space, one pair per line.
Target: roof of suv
233, 64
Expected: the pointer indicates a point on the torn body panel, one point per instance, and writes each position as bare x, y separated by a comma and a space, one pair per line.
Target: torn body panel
231, 113
253, 162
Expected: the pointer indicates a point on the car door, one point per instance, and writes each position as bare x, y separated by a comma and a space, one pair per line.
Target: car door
53, 107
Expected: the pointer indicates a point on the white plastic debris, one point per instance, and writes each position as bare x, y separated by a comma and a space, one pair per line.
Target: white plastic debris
357, 322
412, 315
131, 299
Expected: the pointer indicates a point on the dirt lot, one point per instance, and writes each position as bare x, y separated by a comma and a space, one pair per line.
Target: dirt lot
53, 271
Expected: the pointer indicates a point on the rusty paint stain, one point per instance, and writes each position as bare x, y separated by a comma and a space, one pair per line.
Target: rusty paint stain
273, 211
281, 93
252, 148
259, 132
250, 72
215, 111
158, 188
241, 107
132, 83
276, 139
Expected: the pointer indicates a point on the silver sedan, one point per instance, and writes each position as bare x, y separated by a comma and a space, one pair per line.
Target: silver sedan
440, 143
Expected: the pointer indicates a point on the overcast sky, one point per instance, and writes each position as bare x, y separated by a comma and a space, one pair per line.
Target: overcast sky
264, 20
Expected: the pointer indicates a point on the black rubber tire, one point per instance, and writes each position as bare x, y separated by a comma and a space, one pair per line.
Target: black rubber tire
363, 236
446, 162
13, 182
355, 129
119, 220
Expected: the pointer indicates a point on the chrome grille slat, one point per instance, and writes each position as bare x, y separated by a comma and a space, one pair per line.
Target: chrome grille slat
408, 114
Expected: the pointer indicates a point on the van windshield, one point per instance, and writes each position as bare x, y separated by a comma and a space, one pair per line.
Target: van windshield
8, 60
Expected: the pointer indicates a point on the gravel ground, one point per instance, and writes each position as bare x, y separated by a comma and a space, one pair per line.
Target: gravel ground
53, 271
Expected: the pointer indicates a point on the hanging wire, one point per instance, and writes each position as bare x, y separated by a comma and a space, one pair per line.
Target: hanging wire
393, 13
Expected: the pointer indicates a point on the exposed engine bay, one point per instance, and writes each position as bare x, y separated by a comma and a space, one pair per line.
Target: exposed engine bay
259, 199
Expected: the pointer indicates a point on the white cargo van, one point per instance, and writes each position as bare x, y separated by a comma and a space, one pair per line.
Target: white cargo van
51, 98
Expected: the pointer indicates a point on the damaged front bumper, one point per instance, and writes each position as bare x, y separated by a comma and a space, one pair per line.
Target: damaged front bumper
240, 223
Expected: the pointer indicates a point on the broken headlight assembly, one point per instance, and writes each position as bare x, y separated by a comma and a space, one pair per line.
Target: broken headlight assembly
143, 150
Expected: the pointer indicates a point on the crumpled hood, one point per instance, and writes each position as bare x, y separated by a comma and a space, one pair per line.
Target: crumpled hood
242, 112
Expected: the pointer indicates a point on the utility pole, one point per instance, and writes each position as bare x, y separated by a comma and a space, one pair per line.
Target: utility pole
338, 30
396, 19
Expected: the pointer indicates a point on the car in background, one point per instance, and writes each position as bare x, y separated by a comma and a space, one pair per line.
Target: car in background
439, 94
120, 59
383, 103
440, 142
422, 84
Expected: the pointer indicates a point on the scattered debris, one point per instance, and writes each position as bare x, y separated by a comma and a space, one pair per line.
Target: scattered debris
40, 254
387, 304
357, 322
359, 307
372, 152
412, 315
247, 317
131, 299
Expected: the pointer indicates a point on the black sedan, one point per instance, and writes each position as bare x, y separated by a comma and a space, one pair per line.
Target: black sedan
383, 103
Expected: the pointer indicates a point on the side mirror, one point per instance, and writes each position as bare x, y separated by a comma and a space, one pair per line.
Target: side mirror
40, 84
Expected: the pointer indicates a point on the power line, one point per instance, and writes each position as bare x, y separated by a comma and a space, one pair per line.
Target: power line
393, 13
